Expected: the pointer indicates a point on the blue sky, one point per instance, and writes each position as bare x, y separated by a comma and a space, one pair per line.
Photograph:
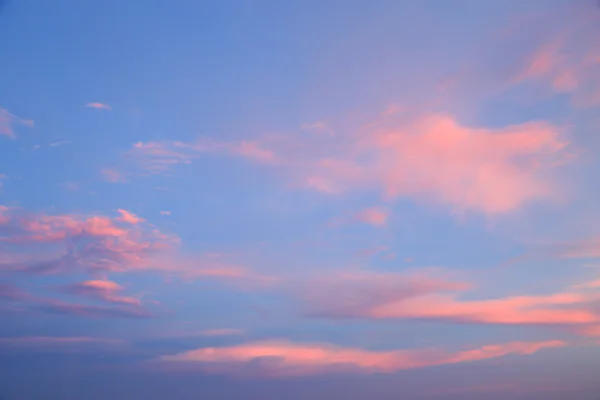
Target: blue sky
358, 199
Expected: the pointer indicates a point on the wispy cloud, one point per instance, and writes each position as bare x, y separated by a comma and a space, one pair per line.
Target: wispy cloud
98, 106
103, 290
425, 297
93, 244
35, 304
55, 342
373, 216
222, 332
318, 127
112, 175
7, 122
161, 157
431, 158
284, 358
568, 63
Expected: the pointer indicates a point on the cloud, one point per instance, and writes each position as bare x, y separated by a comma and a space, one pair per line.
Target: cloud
8, 120
589, 248
430, 158
90, 311
165, 213
352, 294
567, 63
92, 244
99, 106
222, 332
103, 290
161, 157
112, 175
372, 216
56, 342
427, 297
97, 245
318, 127
11, 293
32, 303
560, 308
438, 160
284, 358
129, 217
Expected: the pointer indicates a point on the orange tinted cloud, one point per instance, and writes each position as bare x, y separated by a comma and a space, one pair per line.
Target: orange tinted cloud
7, 120
274, 358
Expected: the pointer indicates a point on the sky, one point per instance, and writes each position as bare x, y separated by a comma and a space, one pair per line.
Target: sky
309, 199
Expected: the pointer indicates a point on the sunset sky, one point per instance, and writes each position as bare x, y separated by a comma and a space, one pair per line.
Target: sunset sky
313, 199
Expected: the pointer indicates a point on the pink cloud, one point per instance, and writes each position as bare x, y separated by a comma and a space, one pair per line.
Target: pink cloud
92, 244
373, 216
432, 158
491, 170
31, 303
103, 290
427, 297
98, 245
592, 331
429, 157
569, 62
583, 249
222, 332
161, 157
112, 175
99, 106
357, 293
562, 308
7, 120
283, 358
129, 217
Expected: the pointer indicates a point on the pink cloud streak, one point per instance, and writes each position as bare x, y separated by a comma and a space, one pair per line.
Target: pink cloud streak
284, 358
103, 290
99, 106
427, 297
